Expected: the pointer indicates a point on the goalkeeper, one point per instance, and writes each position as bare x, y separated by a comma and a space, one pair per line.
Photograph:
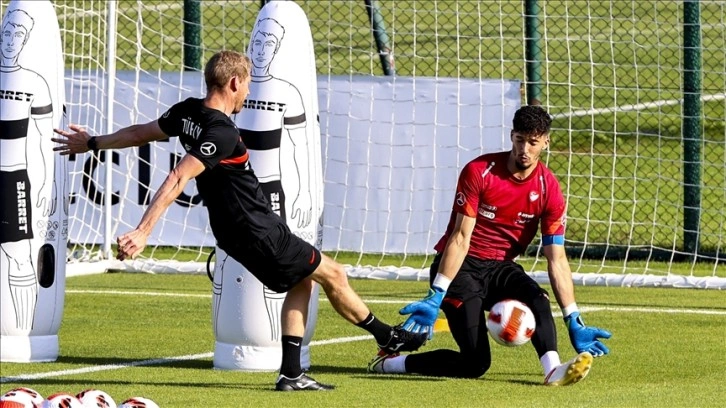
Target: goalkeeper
501, 198
240, 216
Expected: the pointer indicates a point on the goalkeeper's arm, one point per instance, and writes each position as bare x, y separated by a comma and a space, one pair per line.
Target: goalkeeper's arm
423, 313
583, 338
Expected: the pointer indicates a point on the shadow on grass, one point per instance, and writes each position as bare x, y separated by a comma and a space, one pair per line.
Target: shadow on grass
81, 384
420, 378
136, 362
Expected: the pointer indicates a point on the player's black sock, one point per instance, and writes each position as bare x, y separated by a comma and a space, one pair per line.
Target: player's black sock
379, 330
544, 338
291, 346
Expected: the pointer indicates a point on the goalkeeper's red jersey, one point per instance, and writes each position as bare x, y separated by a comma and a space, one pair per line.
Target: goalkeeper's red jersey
507, 210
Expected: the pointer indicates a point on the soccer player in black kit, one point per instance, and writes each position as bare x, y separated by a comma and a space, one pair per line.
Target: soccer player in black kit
239, 214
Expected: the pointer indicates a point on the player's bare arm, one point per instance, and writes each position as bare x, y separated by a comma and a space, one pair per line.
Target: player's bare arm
424, 312
77, 140
558, 269
457, 246
583, 338
133, 243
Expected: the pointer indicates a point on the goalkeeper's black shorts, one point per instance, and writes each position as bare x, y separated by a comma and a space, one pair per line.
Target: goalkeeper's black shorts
489, 280
280, 260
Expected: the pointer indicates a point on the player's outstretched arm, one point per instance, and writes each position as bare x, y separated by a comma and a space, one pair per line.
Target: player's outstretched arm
78, 140
133, 243
423, 313
583, 338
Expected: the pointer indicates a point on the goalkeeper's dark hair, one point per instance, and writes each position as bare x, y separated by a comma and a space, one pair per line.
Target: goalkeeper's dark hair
223, 66
532, 120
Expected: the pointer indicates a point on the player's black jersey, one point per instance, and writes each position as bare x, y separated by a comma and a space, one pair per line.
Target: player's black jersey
238, 210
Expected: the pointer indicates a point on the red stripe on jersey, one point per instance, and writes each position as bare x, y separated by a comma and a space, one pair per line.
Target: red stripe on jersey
236, 160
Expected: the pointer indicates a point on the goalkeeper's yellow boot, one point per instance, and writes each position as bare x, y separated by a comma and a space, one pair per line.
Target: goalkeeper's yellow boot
571, 371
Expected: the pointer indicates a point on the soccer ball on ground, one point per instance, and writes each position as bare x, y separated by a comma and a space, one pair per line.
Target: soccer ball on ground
28, 397
96, 399
510, 323
62, 400
138, 402
14, 404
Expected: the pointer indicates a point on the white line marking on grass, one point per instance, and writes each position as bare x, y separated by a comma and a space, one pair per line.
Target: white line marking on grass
653, 310
105, 367
635, 107
156, 361
137, 293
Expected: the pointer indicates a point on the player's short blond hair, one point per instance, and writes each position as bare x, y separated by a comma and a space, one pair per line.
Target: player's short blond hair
223, 66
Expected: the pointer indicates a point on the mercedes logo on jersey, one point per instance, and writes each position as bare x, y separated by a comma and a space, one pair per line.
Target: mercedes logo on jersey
460, 199
208, 148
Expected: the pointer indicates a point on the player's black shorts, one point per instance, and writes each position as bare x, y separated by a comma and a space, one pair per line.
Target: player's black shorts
280, 260
489, 280
16, 222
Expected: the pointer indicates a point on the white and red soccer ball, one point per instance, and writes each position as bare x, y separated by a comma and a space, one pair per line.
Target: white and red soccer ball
21, 397
93, 398
510, 323
62, 400
138, 402
24, 397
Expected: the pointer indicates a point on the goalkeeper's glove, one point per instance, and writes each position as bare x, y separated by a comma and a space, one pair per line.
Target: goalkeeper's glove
424, 312
585, 338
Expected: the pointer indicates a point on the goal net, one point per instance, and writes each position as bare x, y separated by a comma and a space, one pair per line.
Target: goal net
409, 92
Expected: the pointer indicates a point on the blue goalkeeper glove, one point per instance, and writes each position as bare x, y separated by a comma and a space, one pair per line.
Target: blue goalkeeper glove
585, 338
424, 312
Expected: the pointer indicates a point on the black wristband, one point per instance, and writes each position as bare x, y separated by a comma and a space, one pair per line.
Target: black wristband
92, 144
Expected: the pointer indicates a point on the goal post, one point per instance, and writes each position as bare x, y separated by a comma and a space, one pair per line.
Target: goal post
612, 74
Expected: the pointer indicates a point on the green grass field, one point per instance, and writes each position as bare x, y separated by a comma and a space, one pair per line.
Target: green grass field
150, 335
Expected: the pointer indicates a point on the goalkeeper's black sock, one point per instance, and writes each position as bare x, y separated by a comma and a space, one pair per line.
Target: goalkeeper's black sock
379, 330
291, 346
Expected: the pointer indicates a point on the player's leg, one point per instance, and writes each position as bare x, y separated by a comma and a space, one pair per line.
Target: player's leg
295, 262
510, 281
463, 307
293, 318
471, 361
332, 278
276, 264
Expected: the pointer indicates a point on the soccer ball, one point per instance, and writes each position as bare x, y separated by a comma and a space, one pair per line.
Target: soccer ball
96, 398
28, 397
510, 323
138, 402
13, 404
62, 400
